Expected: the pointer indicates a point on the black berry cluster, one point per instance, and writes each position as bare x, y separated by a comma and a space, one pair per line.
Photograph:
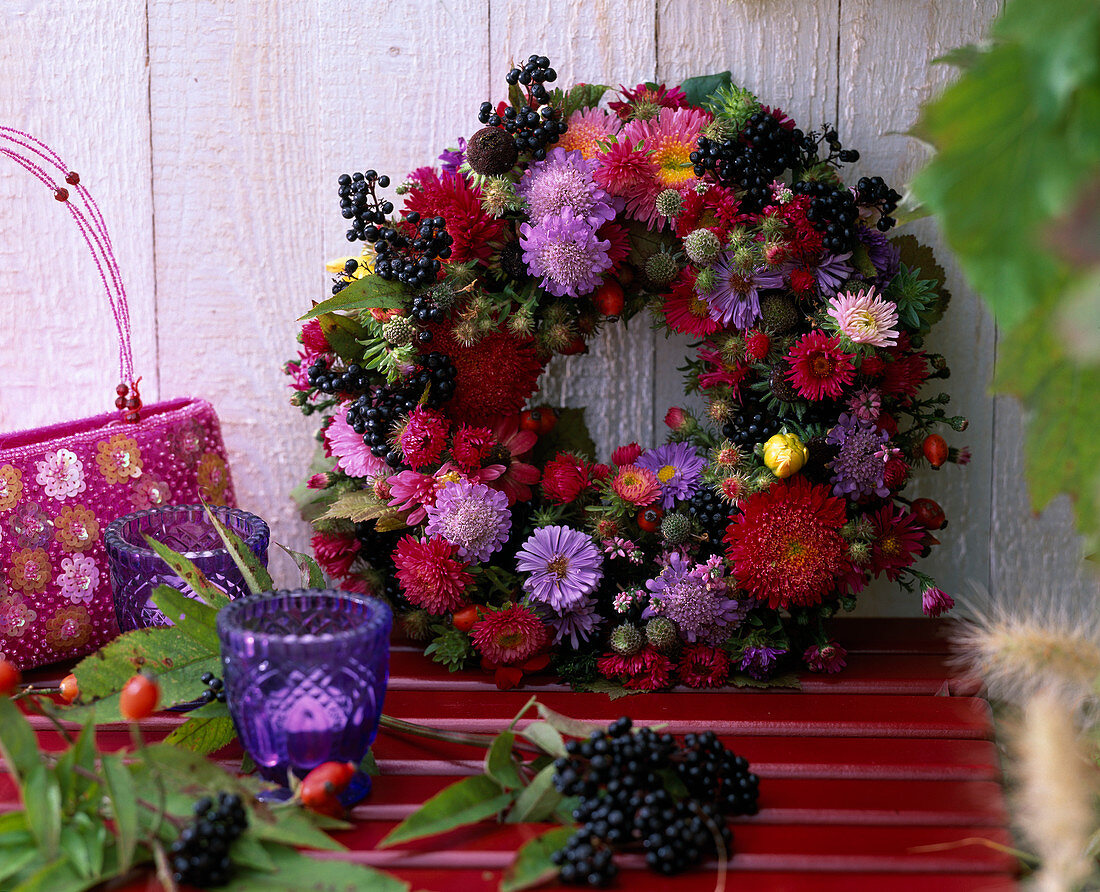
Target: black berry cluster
341, 281
360, 203
833, 213
215, 688
622, 778
424, 309
328, 379
200, 856
712, 515
873, 192
412, 258
752, 423
536, 124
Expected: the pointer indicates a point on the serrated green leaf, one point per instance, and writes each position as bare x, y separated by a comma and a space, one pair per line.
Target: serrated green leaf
186, 570
697, 89
582, 96
312, 574
292, 827
203, 734
250, 853
153, 650
368, 293
613, 689
343, 334
466, 802
532, 865
192, 618
294, 871
42, 803
537, 801
546, 737
18, 744
568, 726
255, 573
357, 507
500, 763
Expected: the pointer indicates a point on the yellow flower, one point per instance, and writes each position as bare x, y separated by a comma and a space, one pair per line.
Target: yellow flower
11, 487
119, 458
785, 454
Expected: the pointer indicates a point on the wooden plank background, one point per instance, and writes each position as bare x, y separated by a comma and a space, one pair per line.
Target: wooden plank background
212, 132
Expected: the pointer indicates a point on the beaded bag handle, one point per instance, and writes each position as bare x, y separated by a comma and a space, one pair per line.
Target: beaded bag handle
37, 158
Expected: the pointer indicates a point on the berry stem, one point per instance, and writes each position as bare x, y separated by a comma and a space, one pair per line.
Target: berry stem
482, 740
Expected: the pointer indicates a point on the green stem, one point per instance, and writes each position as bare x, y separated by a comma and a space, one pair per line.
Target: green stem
464, 737
38, 708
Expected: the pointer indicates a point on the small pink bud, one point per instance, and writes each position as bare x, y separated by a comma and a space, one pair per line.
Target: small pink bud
318, 481
676, 418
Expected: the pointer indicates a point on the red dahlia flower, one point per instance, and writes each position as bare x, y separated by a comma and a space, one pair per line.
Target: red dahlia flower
430, 574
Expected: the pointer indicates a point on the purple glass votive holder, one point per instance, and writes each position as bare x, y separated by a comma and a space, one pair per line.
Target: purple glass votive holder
305, 678
136, 570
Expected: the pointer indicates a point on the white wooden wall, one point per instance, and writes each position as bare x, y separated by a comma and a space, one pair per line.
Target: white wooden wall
212, 133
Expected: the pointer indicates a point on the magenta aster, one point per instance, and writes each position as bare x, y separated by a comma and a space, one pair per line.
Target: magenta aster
566, 253
826, 658
935, 601
472, 517
353, 456
865, 318
703, 666
512, 635
677, 467
898, 538
424, 437
819, 368
564, 566
668, 140
430, 575
564, 180
470, 446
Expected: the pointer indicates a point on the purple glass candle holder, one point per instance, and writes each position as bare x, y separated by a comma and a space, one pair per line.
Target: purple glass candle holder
136, 570
305, 677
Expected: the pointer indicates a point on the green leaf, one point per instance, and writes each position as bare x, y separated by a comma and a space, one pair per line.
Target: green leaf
18, 745
697, 89
12, 863
357, 507
292, 827
155, 651
568, 726
122, 793
58, 876
82, 753
249, 852
312, 574
203, 734
583, 96
42, 803
788, 680
546, 737
78, 839
255, 574
500, 762
532, 864
466, 802
536, 801
293, 871
193, 618
343, 334
186, 570
368, 293
369, 765
613, 689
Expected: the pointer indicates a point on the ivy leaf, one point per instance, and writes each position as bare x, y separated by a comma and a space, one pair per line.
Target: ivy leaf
368, 293
536, 801
255, 574
466, 802
312, 574
500, 763
532, 864
192, 618
122, 793
697, 89
186, 570
203, 734
18, 745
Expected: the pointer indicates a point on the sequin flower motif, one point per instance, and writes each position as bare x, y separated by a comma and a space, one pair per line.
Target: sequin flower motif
119, 459
15, 616
76, 528
213, 477
150, 492
11, 486
562, 566
472, 517
31, 525
78, 579
69, 628
30, 570
61, 475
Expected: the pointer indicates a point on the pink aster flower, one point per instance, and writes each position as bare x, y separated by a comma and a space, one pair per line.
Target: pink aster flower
413, 492
826, 658
518, 476
335, 553
564, 180
703, 666
424, 437
625, 171
819, 368
509, 636
669, 139
866, 404
352, 454
865, 318
935, 601
660, 95
430, 575
472, 517
588, 128
566, 253
635, 485
626, 455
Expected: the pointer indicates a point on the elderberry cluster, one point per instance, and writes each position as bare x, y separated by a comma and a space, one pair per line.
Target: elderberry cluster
751, 423
626, 783
343, 279
327, 379
215, 688
360, 204
412, 260
833, 213
200, 856
537, 124
873, 192
712, 514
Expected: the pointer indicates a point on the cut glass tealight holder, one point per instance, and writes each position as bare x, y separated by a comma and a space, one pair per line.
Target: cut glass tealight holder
136, 570
305, 679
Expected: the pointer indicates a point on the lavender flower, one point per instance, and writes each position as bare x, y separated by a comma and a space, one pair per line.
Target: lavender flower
697, 600
833, 271
564, 250
677, 467
735, 299
470, 516
858, 469
577, 624
452, 158
758, 660
564, 566
883, 254
564, 180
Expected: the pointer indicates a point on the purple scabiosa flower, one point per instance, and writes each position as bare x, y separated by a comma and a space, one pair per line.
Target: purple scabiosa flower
858, 469
564, 565
696, 598
883, 254
564, 180
565, 252
452, 158
826, 658
935, 601
735, 299
677, 467
470, 516
577, 624
833, 271
759, 660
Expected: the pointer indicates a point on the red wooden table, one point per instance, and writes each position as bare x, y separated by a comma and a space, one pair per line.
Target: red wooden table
869, 779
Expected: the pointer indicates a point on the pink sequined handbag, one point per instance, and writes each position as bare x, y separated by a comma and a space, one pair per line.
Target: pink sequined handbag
61, 485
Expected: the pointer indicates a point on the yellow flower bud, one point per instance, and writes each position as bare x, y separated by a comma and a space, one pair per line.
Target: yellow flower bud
785, 454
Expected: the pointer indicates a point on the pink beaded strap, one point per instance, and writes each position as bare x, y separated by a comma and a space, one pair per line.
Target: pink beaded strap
35, 157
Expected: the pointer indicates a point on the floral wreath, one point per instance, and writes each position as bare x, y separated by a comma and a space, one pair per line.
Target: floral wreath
715, 558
